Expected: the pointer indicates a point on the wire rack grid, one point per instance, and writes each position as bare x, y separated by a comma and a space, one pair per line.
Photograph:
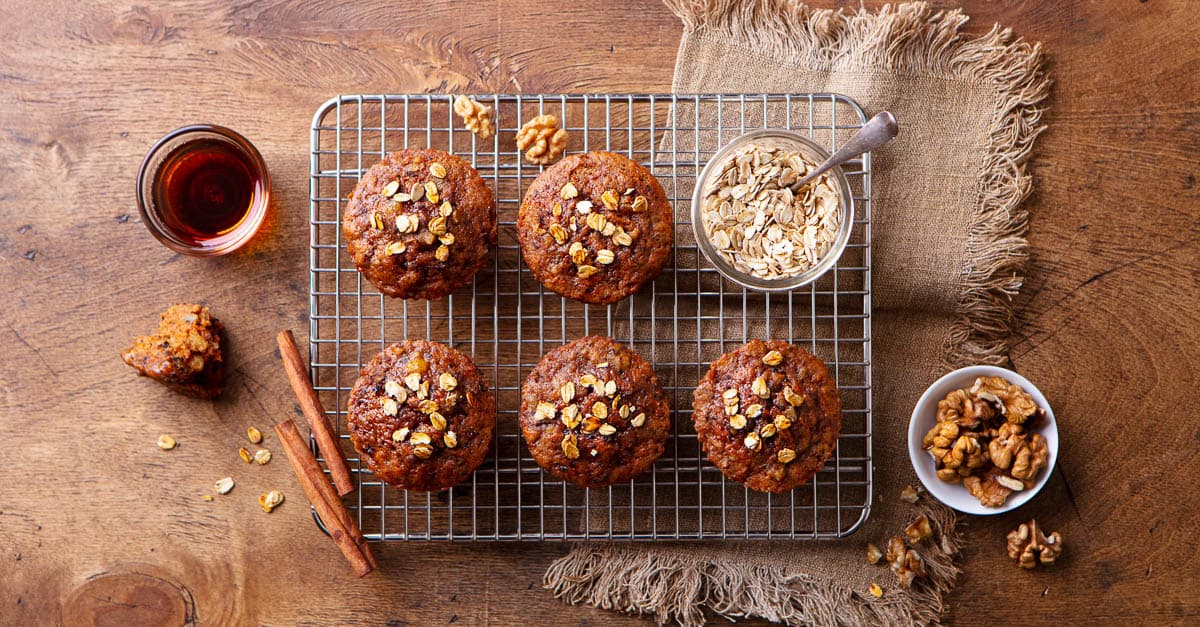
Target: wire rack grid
506, 321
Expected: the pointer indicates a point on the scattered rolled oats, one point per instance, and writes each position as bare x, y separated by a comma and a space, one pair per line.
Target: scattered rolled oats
431, 192
395, 248
389, 405
376, 221
730, 395
773, 358
476, 116
423, 451
446, 209
759, 224
542, 140
567, 391
270, 500
447, 382
607, 429
442, 253
737, 421
752, 441
600, 410
559, 233
792, 398
640, 203
223, 486
569, 191
245, 455
206, 497
785, 455
767, 431
437, 170
754, 411
584, 207
400, 434
407, 224
610, 388
450, 439
621, 238
638, 420
782, 422
166, 442
262, 457
437, 420
605, 256
391, 188
586, 271
416, 192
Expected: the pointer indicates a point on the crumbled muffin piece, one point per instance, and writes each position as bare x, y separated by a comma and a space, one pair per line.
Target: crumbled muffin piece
184, 354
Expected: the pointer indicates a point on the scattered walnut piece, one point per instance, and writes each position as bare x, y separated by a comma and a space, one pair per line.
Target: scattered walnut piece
476, 116
1029, 546
909, 494
905, 562
918, 530
873, 553
542, 140
1016, 404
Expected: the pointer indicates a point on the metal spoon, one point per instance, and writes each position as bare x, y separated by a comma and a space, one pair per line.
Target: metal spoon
878, 131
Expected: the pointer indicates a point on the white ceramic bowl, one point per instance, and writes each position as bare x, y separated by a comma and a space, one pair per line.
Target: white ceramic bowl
924, 416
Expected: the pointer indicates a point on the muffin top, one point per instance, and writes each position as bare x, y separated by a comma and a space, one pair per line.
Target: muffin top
421, 416
596, 227
768, 415
420, 223
593, 413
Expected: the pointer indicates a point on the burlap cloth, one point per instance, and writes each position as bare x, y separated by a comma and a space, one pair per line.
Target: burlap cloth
948, 250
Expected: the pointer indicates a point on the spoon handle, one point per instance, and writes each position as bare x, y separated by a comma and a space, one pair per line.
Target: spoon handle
878, 131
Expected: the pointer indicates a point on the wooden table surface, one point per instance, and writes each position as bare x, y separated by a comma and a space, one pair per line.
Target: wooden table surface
97, 524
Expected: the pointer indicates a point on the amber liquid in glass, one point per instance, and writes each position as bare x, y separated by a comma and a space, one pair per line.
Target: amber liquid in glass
208, 188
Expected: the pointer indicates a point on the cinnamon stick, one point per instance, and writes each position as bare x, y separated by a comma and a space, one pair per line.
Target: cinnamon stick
315, 414
329, 506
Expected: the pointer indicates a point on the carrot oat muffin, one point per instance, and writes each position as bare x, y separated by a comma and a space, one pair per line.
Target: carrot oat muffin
768, 415
595, 227
593, 413
421, 416
420, 223
184, 354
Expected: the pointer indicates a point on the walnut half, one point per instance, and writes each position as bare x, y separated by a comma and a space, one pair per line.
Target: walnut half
1029, 546
542, 140
476, 116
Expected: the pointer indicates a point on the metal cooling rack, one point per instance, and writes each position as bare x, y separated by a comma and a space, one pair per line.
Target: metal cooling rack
506, 321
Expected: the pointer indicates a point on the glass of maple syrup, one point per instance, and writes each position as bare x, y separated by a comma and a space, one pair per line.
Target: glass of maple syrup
203, 190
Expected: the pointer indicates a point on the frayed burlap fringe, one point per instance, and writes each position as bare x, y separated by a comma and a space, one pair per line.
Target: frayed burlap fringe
679, 587
908, 39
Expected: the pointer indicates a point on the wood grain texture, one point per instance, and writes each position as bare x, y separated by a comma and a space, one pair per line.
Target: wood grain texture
98, 525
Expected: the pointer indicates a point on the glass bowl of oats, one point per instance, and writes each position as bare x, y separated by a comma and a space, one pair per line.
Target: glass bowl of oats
760, 230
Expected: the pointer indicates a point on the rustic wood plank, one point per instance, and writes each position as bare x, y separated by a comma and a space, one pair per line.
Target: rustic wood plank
95, 522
